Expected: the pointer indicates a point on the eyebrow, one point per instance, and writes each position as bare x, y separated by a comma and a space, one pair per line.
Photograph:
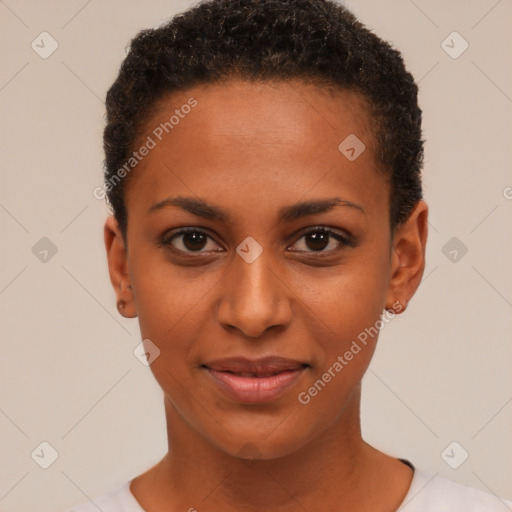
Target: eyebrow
200, 208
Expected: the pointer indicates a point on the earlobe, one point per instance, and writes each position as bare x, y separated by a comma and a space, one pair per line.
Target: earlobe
408, 258
117, 259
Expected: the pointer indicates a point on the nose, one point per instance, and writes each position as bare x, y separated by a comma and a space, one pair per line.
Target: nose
255, 297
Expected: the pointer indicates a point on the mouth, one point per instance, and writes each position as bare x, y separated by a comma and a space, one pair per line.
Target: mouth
255, 381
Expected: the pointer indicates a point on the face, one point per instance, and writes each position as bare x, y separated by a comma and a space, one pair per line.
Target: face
258, 253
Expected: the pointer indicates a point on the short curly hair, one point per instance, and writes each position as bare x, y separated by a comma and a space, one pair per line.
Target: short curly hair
317, 41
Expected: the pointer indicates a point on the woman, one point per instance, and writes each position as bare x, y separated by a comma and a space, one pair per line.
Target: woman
263, 164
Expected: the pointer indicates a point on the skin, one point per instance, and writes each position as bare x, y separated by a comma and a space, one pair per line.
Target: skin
252, 148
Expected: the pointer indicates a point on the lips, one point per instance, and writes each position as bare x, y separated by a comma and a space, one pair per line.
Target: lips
258, 367
255, 381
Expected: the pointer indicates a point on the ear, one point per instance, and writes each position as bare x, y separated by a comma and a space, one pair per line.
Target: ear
408, 258
117, 258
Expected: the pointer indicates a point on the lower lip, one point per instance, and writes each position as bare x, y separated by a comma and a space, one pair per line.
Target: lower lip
255, 389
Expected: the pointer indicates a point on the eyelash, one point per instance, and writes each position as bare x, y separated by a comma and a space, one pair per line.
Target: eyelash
345, 241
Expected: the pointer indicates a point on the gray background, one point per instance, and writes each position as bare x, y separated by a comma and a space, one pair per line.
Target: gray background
441, 372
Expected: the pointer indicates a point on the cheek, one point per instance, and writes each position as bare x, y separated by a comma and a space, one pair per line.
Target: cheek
345, 299
348, 305
168, 296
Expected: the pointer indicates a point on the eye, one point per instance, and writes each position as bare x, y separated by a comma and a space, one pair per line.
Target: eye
317, 239
194, 240
189, 240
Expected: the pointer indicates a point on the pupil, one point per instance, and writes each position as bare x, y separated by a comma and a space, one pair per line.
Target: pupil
196, 240
319, 240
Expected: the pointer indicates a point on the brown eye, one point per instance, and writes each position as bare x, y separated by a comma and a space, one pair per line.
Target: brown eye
189, 241
318, 239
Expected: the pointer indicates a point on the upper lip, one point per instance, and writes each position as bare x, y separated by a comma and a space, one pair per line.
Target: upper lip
269, 364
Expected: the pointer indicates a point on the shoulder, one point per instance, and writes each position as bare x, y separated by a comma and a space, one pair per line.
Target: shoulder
432, 493
118, 500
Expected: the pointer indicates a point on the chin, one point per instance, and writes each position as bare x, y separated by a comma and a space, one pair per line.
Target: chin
253, 444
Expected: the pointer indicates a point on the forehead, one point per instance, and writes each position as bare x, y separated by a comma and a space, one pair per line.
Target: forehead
273, 137
280, 112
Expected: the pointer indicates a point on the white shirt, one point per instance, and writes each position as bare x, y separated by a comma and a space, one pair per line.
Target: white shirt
427, 493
